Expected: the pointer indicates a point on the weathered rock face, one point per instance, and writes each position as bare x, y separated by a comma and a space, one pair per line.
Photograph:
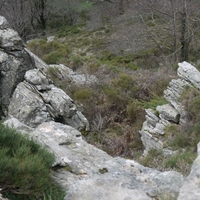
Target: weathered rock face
153, 128
26, 92
14, 61
88, 173
36, 100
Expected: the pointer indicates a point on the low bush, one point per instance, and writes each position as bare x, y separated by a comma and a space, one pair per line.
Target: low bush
180, 162
25, 166
82, 94
154, 102
135, 111
54, 57
51, 52
75, 61
191, 100
69, 30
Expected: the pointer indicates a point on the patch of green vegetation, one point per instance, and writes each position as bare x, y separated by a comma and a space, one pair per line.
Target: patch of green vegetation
177, 160
52, 191
180, 140
54, 57
111, 59
85, 133
180, 162
82, 94
76, 61
121, 90
51, 52
53, 72
55, 76
134, 61
70, 30
111, 94
68, 168
25, 166
153, 159
134, 110
156, 101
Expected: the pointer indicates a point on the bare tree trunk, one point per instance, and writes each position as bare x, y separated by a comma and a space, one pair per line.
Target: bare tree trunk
185, 37
174, 31
42, 15
121, 7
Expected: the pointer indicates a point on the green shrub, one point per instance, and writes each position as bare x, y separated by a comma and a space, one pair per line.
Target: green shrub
25, 166
111, 95
75, 61
134, 110
69, 30
51, 191
53, 57
125, 82
180, 140
51, 52
190, 99
156, 101
179, 160
82, 94
53, 72
153, 159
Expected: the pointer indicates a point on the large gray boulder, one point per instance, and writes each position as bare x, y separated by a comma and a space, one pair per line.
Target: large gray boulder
88, 173
36, 100
28, 106
168, 113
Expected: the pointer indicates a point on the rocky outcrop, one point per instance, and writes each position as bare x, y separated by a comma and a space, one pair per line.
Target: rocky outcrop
14, 61
157, 120
26, 92
36, 100
89, 173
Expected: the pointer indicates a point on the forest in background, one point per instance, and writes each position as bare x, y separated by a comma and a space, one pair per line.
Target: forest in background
170, 26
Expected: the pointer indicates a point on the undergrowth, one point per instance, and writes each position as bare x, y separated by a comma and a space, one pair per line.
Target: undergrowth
25, 168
